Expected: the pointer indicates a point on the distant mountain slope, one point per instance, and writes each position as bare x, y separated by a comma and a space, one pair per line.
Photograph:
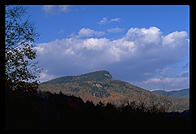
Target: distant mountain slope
100, 86
184, 93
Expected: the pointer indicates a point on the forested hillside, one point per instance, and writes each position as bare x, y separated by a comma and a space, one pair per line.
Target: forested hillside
100, 86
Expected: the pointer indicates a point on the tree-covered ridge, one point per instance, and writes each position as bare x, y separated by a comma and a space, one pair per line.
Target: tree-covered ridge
100, 86
93, 76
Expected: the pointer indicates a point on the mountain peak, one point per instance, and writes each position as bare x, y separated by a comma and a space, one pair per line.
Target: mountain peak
99, 85
97, 75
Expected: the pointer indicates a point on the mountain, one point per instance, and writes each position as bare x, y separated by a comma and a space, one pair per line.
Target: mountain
101, 86
183, 93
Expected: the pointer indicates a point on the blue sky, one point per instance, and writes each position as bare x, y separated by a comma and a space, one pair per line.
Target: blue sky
144, 45
167, 18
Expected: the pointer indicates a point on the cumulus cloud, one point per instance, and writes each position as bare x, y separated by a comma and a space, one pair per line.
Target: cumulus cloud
145, 36
86, 32
174, 39
105, 20
135, 57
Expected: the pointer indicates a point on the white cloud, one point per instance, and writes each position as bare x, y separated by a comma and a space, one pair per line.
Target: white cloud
45, 77
144, 36
166, 83
115, 30
53, 9
89, 32
63, 8
94, 43
105, 20
174, 39
39, 49
115, 20
48, 8
135, 57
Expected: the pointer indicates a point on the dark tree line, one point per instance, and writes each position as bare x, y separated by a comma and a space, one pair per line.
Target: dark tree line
39, 110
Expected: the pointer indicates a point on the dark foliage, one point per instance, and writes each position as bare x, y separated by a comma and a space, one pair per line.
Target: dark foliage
27, 108
20, 34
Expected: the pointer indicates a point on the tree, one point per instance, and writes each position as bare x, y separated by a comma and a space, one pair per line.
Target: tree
20, 63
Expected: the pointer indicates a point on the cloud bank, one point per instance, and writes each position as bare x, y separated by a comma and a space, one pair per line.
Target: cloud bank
135, 57
161, 84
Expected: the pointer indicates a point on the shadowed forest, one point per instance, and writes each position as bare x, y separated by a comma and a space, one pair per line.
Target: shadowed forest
28, 109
